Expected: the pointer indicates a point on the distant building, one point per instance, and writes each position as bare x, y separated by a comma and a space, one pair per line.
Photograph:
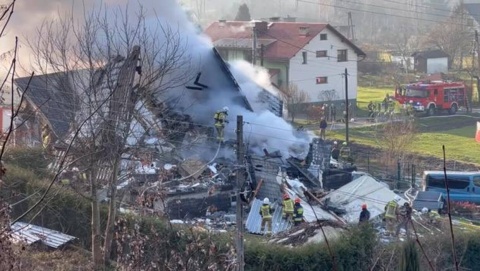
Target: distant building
311, 55
433, 61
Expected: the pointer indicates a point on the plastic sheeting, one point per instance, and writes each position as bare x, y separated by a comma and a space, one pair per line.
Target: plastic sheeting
366, 190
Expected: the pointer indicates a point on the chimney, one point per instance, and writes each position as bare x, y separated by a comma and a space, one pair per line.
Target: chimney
261, 26
274, 19
303, 30
289, 19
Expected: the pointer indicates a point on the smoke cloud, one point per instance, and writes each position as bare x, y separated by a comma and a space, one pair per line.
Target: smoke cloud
262, 129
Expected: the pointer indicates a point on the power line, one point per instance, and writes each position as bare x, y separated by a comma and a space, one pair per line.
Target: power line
381, 13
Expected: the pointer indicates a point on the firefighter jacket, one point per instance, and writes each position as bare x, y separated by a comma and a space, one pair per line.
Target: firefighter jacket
433, 215
298, 212
266, 211
220, 118
391, 209
288, 206
364, 216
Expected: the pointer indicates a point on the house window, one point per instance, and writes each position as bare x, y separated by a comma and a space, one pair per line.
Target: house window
341, 55
304, 56
322, 53
322, 80
323, 36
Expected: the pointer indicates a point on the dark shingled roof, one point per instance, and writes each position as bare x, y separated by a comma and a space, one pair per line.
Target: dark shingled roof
54, 97
430, 54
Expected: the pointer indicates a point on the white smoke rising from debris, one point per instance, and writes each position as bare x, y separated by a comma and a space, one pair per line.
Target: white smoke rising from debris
262, 130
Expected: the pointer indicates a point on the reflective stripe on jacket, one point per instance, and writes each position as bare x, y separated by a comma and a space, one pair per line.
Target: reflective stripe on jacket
298, 213
220, 118
390, 209
288, 206
265, 211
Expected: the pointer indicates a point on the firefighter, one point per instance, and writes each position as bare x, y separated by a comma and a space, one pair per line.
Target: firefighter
371, 110
297, 213
220, 118
323, 127
391, 211
266, 213
335, 151
364, 214
287, 212
434, 217
345, 153
405, 218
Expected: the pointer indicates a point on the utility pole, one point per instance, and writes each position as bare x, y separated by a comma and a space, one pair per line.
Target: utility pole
462, 8
347, 114
477, 44
254, 45
240, 181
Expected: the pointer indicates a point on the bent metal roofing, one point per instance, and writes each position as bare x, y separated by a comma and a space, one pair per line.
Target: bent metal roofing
28, 233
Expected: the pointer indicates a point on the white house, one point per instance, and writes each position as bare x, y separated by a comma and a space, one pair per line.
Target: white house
312, 56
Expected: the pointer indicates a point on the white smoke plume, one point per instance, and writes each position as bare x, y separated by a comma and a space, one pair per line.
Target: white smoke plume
262, 129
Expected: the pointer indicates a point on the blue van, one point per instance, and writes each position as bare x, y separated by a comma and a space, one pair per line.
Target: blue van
463, 185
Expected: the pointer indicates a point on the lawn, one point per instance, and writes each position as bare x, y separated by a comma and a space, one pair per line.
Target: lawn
456, 133
367, 94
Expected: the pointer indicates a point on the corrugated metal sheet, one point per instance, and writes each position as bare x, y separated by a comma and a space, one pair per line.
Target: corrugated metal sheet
30, 234
267, 169
310, 214
254, 220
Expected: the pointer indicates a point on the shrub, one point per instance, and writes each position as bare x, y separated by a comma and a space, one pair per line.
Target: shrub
465, 209
410, 260
28, 159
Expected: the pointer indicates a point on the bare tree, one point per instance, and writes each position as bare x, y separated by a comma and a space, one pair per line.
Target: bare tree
8, 255
395, 137
453, 36
294, 98
111, 63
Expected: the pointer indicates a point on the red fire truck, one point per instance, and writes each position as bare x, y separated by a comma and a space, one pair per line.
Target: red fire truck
433, 96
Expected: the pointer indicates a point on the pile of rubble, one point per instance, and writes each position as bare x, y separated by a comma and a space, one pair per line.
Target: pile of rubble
308, 233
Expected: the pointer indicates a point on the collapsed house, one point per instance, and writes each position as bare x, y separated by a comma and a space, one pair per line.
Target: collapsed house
170, 164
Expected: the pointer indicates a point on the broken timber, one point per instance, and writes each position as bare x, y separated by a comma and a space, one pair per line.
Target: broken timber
259, 185
304, 171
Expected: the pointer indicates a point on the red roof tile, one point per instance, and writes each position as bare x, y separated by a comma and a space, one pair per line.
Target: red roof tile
288, 42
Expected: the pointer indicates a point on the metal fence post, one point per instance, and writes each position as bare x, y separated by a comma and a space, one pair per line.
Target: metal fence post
398, 174
368, 162
413, 176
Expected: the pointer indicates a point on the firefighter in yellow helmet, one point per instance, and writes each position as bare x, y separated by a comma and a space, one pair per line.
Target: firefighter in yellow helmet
266, 212
288, 206
220, 118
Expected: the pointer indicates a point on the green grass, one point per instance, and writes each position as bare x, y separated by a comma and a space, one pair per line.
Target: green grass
367, 94
456, 133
